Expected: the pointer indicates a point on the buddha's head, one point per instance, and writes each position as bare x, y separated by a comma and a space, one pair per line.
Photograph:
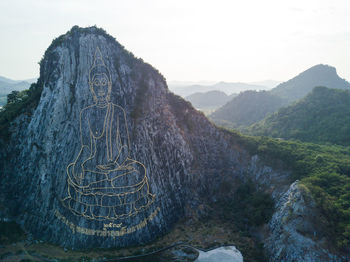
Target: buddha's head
100, 79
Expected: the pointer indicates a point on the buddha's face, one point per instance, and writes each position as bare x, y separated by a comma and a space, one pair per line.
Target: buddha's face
100, 85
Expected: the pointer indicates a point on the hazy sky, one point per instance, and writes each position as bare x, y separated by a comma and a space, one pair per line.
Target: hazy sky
189, 39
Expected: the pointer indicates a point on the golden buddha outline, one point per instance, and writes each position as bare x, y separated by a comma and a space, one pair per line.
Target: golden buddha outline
104, 183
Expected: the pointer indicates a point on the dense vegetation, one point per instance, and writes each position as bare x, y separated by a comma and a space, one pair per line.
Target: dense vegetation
322, 116
10, 232
18, 102
6, 87
323, 169
247, 108
247, 207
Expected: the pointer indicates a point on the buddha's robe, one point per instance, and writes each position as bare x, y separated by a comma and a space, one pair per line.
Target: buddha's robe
103, 182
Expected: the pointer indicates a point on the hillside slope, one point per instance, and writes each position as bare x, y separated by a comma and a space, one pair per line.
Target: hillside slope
302, 84
208, 99
322, 116
246, 108
253, 107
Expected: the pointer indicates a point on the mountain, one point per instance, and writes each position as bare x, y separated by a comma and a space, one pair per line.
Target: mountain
302, 84
322, 116
252, 107
228, 88
98, 153
210, 100
246, 108
7, 80
6, 88
31, 80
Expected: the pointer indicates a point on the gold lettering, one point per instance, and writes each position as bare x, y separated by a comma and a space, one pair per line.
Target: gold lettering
105, 233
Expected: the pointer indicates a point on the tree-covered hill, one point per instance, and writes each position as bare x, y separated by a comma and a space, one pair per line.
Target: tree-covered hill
247, 108
251, 107
322, 116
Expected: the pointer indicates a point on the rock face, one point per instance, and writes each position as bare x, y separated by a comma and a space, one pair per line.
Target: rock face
295, 233
165, 149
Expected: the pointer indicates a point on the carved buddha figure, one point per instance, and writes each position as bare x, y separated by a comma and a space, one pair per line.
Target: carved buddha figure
103, 181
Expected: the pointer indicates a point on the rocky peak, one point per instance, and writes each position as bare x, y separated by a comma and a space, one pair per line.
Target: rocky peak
302, 84
295, 229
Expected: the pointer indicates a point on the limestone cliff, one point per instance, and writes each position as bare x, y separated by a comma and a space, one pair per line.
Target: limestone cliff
148, 157
180, 150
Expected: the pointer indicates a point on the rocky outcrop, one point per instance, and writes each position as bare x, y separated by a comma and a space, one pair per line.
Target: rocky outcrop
296, 234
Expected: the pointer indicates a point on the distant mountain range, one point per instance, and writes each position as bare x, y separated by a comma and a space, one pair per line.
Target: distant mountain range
250, 107
322, 116
8, 85
11, 81
227, 87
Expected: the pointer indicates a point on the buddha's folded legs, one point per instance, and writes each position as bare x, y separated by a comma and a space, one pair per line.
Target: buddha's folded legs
127, 176
118, 194
105, 207
111, 198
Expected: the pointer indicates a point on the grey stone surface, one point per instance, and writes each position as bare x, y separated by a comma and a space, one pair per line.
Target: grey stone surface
295, 233
182, 152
